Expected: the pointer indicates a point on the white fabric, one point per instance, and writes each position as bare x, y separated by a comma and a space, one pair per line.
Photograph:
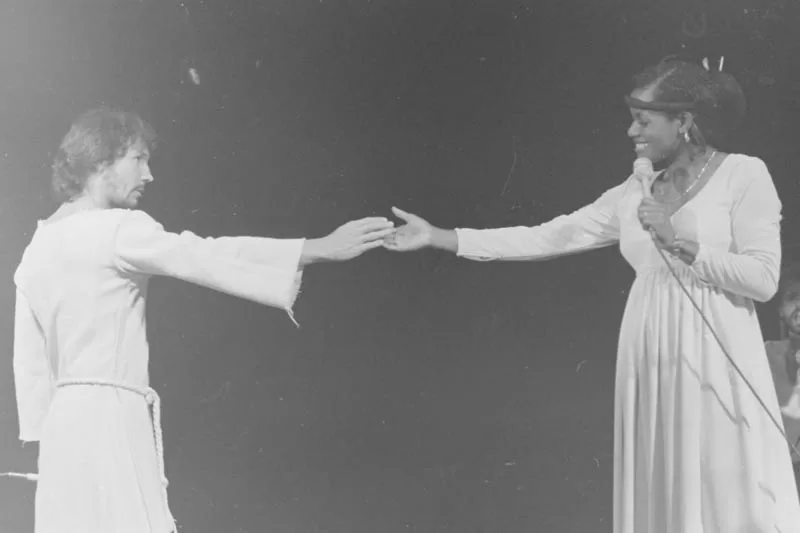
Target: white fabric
80, 316
694, 450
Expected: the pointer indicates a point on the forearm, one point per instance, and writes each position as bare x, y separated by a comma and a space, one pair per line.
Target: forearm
556, 238
593, 226
444, 239
753, 275
262, 270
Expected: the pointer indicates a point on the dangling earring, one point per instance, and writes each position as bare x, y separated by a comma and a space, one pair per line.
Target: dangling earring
686, 137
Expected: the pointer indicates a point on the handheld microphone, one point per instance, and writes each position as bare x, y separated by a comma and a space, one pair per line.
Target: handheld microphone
643, 170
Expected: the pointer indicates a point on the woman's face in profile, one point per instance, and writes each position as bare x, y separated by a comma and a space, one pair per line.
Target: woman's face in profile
654, 134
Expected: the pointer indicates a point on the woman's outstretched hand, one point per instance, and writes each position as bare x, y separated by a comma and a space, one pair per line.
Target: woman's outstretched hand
348, 241
415, 234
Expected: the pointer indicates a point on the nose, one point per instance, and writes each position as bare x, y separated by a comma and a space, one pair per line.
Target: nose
147, 176
633, 129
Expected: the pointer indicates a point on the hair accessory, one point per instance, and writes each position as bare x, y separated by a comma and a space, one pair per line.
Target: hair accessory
719, 67
636, 103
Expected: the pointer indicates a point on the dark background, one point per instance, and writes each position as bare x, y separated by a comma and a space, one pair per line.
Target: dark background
423, 392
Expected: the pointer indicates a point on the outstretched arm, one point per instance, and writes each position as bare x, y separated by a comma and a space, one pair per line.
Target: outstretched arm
262, 270
593, 226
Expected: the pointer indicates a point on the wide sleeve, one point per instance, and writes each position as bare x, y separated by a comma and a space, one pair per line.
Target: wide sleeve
593, 226
752, 267
262, 270
33, 378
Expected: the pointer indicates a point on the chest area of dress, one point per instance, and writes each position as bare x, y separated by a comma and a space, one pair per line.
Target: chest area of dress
705, 218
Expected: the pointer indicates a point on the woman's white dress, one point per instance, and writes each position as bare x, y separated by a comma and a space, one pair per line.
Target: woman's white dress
80, 316
695, 452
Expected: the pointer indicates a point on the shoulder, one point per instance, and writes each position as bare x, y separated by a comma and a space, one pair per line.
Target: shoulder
134, 218
746, 167
133, 225
746, 175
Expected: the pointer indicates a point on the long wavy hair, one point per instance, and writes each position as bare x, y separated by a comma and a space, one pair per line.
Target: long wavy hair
96, 139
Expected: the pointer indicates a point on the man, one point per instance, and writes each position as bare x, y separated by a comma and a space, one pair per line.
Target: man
80, 345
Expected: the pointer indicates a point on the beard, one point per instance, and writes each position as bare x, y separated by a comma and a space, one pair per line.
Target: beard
126, 201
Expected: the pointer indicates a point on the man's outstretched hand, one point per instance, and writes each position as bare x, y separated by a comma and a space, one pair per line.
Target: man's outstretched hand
348, 241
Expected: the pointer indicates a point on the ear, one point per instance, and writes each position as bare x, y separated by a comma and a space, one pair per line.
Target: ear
687, 121
99, 176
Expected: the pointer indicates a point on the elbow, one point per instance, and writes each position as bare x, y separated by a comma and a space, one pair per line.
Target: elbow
765, 293
763, 277
767, 289
763, 296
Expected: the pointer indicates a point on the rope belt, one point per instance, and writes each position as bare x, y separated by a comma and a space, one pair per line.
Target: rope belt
153, 402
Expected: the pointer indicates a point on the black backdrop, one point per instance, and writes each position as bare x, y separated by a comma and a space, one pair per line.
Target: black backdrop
422, 392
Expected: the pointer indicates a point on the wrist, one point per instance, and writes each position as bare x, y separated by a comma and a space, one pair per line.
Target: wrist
314, 251
441, 239
435, 240
684, 249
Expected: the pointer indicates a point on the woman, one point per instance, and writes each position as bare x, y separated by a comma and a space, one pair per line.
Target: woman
694, 449
80, 346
